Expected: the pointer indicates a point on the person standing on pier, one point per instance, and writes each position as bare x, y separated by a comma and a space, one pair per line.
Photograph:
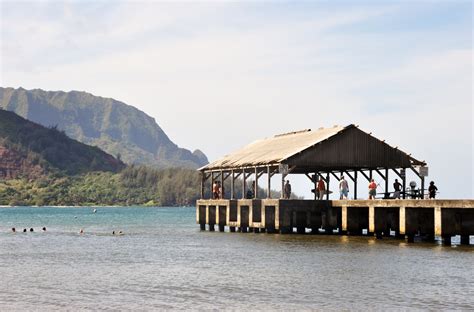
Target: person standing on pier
215, 190
220, 190
321, 189
343, 188
397, 187
432, 190
250, 188
372, 189
287, 192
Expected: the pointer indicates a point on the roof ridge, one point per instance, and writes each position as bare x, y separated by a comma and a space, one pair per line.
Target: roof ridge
290, 133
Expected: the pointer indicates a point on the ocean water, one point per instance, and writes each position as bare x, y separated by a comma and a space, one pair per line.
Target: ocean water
163, 262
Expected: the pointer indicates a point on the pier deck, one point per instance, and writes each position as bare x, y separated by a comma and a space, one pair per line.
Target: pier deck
405, 218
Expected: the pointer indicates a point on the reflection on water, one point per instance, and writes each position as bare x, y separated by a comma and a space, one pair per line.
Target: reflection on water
163, 261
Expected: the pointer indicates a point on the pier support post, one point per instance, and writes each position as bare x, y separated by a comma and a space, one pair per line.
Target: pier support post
344, 219
402, 223
371, 220
446, 240
437, 221
465, 240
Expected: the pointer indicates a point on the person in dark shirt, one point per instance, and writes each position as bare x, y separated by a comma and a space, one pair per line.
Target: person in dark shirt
397, 187
287, 193
432, 190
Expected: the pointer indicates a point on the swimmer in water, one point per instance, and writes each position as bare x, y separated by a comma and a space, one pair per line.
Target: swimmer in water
24, 230
94, 211
31, 230
13, 230
44, 229
81, 231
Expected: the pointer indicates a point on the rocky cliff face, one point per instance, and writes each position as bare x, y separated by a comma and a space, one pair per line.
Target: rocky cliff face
13, 165
115, 127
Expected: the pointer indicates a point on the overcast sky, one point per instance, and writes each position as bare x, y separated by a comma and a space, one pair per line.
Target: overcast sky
217, 75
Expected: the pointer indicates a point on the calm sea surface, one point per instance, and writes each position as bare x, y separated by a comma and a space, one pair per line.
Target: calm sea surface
163, 261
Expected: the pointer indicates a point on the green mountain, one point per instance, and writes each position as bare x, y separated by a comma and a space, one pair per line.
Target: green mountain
115, 127
30, 150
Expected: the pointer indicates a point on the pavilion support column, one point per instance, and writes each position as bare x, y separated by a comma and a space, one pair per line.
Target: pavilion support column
212, 185
314, 178
244, 184
404, 182
255, 192
203, 180
222, 185
370, 180
387, 192
316, 193
232, 185
422, 178
269, 179
327, 188
355, 184
283, 176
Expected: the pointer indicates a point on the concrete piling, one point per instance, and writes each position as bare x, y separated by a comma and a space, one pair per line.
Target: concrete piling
408, 217
465, 240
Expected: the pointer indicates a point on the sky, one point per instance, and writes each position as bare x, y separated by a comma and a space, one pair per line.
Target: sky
218, 75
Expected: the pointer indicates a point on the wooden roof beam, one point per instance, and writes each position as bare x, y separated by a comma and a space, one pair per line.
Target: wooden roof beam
337, 178
366, 176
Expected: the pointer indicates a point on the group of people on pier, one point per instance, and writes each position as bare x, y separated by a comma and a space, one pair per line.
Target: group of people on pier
321, 191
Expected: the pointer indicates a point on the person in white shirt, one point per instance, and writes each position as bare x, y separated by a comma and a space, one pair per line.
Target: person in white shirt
343, 188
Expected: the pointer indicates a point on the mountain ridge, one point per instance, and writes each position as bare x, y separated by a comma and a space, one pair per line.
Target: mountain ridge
114, 126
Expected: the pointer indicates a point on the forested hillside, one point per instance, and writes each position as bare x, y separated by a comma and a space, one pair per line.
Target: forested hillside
28, 149
133, 186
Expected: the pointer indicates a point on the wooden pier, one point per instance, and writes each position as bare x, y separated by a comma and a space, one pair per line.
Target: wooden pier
401, 218
230, 199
